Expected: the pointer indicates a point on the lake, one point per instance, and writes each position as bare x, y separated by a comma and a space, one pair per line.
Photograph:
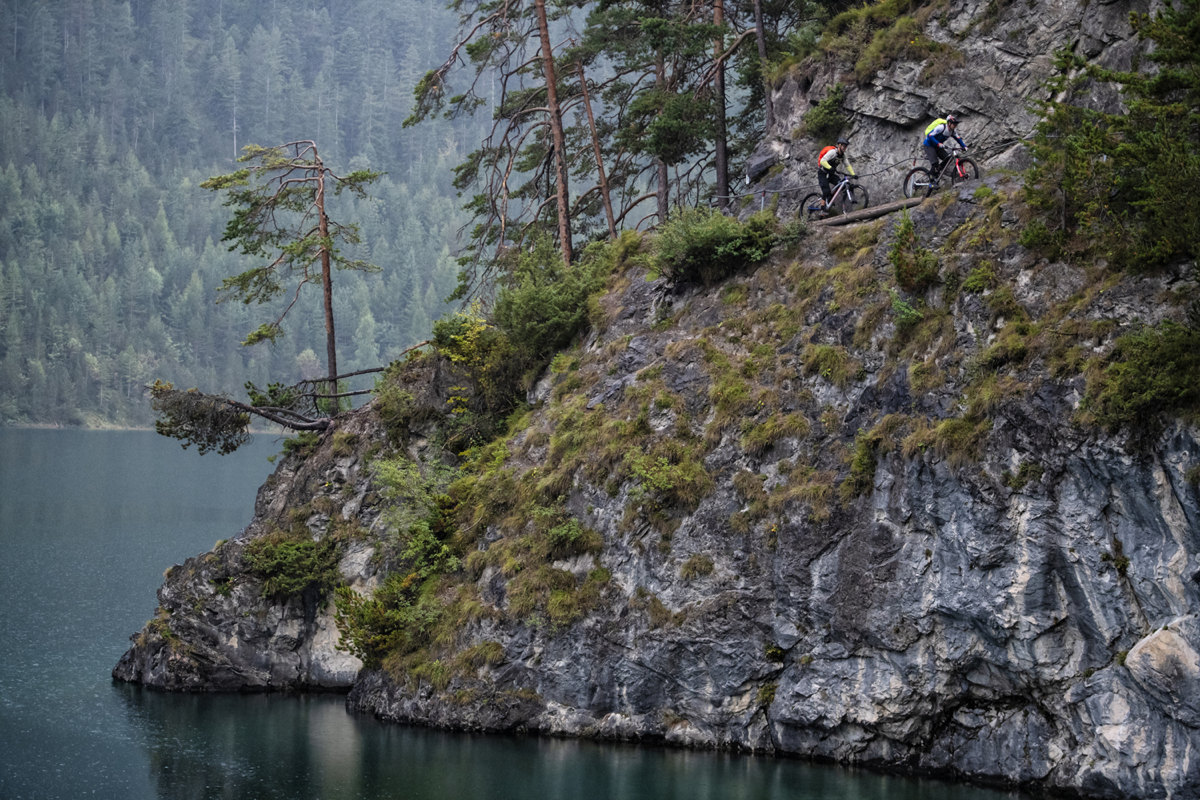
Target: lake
89, 520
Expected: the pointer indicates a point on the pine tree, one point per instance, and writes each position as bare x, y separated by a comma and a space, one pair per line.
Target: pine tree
281, 214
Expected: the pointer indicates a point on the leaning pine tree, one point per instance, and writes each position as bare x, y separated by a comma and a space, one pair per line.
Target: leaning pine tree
280, 217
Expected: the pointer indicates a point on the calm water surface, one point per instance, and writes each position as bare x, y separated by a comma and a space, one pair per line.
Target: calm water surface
89, 520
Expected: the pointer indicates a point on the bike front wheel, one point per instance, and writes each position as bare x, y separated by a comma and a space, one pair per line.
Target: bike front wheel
966, 170
812, 208
856, 199
918, 183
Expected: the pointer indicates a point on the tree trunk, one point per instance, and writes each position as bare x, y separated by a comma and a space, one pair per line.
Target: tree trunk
326, 274
660, 83
722, 155
761, 35
605, 197
556, 129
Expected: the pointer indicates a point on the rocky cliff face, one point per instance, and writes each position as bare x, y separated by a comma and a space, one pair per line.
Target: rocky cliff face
822, 517
215, 630
877, 571
986, 62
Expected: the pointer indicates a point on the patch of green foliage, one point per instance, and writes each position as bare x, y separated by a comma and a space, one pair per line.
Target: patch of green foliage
904, 39
397, 619
276, 395
981, 278
908, 316
193, 417
1118, 186
916, 267
671, 475
160, 626
542, 303
1011, 347
831, 362
869, 447
704, 246
697, 566
874, 35
540, 307
490, 370
302, 444
862, 465
402, 613
827, 119
960, 440
397, 406
1117, 558
569, 537
1029, 471
758, 435
1151, 375
291, 563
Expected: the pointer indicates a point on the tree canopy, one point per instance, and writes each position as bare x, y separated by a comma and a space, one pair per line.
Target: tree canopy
627, 96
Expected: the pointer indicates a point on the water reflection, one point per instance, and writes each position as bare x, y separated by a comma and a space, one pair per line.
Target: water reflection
270, 746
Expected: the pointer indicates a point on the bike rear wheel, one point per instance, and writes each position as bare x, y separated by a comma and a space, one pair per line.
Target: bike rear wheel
918, 183
969, 171
811, 208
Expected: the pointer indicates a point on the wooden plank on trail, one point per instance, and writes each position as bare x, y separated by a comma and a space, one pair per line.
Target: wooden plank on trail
868, 213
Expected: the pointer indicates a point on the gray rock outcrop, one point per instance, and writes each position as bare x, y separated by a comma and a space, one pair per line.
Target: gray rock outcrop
991, 67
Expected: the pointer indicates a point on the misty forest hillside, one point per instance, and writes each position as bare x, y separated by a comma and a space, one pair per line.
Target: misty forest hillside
112, 115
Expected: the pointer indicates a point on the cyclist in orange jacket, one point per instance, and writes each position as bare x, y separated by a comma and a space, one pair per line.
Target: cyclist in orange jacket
827, 163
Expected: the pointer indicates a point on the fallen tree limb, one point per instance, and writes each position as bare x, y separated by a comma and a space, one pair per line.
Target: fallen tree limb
868, 213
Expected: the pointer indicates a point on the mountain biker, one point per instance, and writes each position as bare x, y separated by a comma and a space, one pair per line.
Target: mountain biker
936, 135
827, 163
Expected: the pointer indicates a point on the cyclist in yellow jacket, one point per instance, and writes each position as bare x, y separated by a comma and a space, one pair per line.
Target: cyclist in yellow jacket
827, 163
936, 135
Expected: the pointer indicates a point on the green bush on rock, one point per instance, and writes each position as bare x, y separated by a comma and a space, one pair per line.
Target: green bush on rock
705, 246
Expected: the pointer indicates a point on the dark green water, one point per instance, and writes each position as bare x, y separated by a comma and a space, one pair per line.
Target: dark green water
89, 521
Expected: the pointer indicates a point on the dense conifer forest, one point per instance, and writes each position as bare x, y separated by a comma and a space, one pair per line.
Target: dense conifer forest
112, 115
570, 119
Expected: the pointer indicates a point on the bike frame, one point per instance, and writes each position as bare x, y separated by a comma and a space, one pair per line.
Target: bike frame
955, 158
926, 179
843, 185
844, 195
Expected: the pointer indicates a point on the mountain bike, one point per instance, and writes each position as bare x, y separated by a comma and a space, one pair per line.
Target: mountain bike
954, 170
846, 197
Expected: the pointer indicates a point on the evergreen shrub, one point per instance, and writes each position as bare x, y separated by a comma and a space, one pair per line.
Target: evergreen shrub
827, 119
916, 268
1151, 374
1118, 187
288, 565
704, 246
